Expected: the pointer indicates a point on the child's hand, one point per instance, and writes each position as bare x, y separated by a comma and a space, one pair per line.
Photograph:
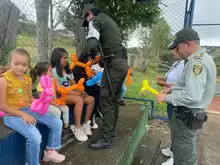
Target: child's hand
53, 102
28, 119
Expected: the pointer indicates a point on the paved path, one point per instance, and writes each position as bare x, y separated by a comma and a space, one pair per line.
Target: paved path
217, 88
208, 143
215, 104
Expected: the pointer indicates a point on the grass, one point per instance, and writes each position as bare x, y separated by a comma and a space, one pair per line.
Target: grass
134, 89
29, 43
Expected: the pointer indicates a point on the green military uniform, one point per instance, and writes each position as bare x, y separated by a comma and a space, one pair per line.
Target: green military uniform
194, 90
103, 29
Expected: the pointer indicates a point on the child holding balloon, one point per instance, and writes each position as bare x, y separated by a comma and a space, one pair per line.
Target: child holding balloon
65, 78
44, 68
15, 101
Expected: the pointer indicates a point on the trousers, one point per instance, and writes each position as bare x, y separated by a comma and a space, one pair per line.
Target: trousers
33, 136
117, 70
183, 142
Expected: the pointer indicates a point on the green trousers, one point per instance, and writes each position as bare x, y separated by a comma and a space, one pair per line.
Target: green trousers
117, 70
183, 142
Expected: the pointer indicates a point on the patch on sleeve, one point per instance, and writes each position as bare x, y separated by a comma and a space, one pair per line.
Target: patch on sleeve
197, 69
93, 33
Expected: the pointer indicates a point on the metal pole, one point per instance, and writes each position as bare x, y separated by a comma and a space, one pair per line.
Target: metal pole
192, 8
186, 15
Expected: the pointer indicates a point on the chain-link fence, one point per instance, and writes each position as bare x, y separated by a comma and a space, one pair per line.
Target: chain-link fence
18, 27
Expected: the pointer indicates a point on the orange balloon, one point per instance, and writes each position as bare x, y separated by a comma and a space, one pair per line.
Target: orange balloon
64, 91
74, 60
129, 81
87, 66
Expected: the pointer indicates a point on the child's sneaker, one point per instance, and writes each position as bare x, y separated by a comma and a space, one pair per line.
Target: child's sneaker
53, 156
93, 123
167, 152
87, 128
168, 162
79, 133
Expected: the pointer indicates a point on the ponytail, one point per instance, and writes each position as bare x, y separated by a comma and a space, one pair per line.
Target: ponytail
38, 70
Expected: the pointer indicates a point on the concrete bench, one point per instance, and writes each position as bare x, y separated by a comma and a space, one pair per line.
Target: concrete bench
12, 145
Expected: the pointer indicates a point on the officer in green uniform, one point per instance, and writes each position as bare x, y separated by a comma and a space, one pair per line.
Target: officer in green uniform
190, 96
103, 30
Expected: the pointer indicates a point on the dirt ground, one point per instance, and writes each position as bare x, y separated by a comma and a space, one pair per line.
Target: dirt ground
208, 143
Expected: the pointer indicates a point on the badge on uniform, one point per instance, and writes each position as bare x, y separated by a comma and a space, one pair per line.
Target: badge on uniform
197, 69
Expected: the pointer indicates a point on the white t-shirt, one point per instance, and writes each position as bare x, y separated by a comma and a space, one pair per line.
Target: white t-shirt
174, 73
97, 68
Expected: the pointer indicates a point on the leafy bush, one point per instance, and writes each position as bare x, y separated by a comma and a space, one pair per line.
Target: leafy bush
4, 51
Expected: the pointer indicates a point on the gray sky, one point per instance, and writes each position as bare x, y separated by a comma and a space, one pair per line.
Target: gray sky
206, 11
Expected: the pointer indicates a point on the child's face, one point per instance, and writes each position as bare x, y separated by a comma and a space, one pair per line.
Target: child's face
63, 61
49, 72
19, 64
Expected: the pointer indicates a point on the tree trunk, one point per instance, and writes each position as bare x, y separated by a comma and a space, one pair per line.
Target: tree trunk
42, 12
50, 39
79, 36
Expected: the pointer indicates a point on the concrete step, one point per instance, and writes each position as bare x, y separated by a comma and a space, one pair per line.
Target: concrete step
130, 129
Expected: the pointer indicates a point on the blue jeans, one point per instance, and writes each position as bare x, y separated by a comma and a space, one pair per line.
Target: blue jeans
123, 91
33, 136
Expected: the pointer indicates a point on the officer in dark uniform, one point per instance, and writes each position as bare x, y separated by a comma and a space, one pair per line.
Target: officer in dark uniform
103, 33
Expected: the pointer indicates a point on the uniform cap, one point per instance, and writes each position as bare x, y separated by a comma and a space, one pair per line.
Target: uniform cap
84, 13
183, 35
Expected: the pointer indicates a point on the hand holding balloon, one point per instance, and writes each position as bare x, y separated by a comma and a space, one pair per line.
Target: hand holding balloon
64, 91
95, 79
145, 86
86, 66
41, 105
2, 114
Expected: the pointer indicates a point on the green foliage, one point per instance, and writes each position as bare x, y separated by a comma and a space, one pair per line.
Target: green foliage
134, 89
155, 42
129, 16
217, 63
27, 27
126, 14
4, 51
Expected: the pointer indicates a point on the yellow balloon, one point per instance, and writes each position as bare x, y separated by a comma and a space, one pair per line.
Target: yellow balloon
145, 86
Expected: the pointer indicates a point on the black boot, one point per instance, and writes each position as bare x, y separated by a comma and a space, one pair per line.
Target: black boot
113, 135
101, 143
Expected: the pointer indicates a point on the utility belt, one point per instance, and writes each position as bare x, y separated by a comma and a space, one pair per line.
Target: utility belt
112, 56
192, 117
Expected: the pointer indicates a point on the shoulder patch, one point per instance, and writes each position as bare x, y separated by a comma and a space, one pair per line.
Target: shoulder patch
197, 69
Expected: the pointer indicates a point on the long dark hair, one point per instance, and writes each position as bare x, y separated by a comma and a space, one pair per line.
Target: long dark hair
55, 61
38, 70
79, 72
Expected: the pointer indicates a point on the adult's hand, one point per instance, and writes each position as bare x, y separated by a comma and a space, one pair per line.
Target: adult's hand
161, 97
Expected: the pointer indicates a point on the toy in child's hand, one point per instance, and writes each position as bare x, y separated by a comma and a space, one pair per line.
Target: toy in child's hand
64, 91
41, 105
94, 80
2, 114
129, 81
86, 66
145, 86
